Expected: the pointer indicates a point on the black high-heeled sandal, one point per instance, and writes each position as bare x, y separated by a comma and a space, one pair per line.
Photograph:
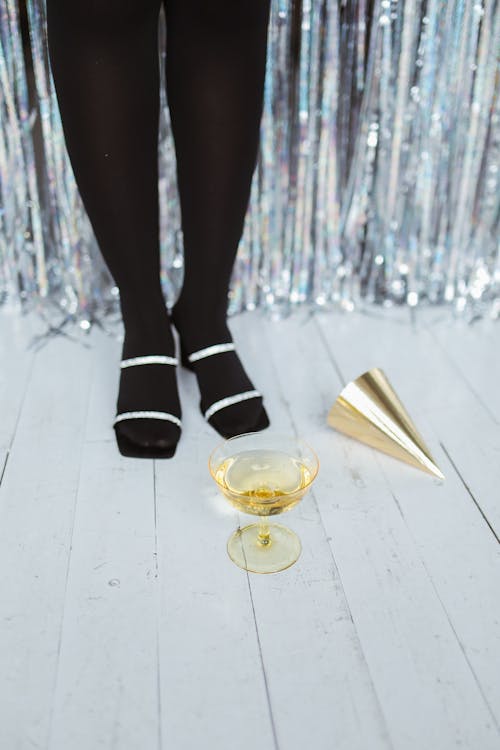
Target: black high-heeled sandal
207, 411
129, 447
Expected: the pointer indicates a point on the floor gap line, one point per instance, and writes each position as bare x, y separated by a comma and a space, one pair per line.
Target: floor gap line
7, 454
457, 637
462, 376
264, 674
69, 560
329, 352
476, 503
23, 399
442, 605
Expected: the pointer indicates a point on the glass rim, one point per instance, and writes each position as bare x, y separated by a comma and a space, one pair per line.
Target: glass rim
277, 434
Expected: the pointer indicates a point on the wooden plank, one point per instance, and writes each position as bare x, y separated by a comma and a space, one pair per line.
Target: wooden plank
473, 351
16, 363
456, 546
37, 502
319, 685
102, 406
107, 687
417, 665
212, 683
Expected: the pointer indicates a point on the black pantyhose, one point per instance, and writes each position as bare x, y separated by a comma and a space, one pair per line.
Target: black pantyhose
105, 65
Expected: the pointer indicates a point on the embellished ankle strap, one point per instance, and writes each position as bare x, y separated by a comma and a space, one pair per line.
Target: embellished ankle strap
209, 350
229, 400
151, 359
165, 415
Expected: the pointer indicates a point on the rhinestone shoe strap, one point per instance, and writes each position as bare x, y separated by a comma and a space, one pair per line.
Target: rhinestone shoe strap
152, 359
229, 400
209, 350
165, 415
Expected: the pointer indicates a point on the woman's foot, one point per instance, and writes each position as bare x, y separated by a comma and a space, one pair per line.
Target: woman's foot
148, 421
220, 376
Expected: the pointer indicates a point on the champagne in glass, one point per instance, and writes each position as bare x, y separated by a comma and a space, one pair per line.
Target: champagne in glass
263, 475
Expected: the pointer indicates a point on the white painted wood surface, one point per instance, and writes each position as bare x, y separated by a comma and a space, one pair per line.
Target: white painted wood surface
37, 505
16, 358
123, 623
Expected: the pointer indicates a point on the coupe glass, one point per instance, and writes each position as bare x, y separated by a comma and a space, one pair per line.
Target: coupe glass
263, 474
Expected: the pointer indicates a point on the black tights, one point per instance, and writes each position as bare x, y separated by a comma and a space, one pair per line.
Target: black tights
105, 64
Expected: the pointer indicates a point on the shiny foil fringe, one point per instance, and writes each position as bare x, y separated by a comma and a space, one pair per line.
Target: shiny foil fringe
376, 184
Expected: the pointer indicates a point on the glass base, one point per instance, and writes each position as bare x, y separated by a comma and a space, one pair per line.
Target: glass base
245, 548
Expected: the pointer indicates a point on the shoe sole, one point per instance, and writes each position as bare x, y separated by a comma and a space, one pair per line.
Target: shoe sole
133, 450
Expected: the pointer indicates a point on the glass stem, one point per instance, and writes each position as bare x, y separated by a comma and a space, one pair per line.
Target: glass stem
264, 537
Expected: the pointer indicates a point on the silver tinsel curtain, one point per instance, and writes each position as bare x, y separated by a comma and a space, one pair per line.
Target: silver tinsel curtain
377, 180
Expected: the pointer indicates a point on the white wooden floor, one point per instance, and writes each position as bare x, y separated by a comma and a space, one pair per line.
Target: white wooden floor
123, 623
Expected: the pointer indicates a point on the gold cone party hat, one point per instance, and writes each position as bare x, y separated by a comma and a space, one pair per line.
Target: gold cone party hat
369, 410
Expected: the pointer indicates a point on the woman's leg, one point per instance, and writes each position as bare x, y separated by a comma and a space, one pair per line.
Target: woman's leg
105, 65
215, 69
